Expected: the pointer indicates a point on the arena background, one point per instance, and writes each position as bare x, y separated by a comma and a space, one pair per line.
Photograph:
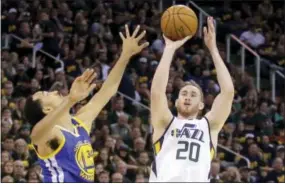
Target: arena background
251, 41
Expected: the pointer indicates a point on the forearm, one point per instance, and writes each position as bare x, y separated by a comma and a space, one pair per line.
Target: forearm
223, 75
113, 80
161, 75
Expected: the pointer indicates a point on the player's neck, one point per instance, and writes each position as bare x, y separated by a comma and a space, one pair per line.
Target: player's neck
65, 121
180, 116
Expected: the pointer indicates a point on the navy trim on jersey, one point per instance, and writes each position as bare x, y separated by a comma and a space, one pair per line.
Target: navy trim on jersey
153, 168
211, 142
164, 131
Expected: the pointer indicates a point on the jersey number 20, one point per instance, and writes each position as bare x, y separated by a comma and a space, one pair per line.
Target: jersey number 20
194, 151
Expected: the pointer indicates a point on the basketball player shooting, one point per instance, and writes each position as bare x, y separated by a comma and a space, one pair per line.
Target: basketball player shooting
61, 140
185, 145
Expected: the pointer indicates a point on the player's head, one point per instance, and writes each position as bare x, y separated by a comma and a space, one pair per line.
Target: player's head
190, 99
40, 104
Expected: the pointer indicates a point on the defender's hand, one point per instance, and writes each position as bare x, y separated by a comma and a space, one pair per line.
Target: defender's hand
82, 86
210, 34
131, 43
174, 45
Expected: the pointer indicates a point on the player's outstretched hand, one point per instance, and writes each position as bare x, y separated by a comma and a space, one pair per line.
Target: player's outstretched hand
131, 42
82, 86
210, 34
174, 45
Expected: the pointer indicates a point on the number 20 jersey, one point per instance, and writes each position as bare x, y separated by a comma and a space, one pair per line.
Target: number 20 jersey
184, 152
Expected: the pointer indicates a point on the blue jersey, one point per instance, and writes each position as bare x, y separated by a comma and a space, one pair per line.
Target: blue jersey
73, 160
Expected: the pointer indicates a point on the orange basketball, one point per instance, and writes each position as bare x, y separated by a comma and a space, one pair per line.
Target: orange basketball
178, 22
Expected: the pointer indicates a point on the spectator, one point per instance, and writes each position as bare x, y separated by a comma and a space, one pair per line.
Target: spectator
117, 178
277, 174
215, 170
252, 37
7, 179
104, 177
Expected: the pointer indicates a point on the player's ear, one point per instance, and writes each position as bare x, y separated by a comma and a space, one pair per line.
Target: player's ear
176, 103
201, 106
47, 109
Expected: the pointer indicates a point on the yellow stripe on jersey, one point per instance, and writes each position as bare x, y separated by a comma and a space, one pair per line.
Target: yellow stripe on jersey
157, 147
212, 153
81, 123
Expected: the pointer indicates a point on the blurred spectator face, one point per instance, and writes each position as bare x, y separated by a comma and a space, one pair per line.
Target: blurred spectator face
215, 169
136, 133
39, 75
8, 167
5, 127
209, 99
169, 87
9, 89
139, 144
265, 140
189, 101
48, 100
241, 127
7, 114
20, 146
253, 150
137, 122
122, 168
104, 177
80, 48
140, 178
143, 158
178, 82
264, 107
5, 156
8, 144
117, 178
237, 15
25, 29
35, 85
103, 57
123, 120
33, 180
32, 175
99, 168
110, 142
103, 19
7, 179
103, 115
48, 4
143, 87
106, 131
119, 106
4, 102
196, 59
278, 164
44, 16
104, 154
114, 48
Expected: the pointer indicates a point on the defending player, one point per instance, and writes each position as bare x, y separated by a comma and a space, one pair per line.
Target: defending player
61, 140
184, 145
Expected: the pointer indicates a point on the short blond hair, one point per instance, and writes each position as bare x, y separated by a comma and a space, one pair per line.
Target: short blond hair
193, 83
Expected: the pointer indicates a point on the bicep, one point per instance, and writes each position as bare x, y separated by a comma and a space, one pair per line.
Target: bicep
220, 111
160, 113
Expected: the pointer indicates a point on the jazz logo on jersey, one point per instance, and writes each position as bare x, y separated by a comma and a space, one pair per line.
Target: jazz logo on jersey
188, 131
85, 160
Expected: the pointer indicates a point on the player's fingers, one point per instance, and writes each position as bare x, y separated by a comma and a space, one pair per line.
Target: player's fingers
211, 24
141, 36
205, 31
91, 87
122, 36
127, 31
89, 74
92, 77
136, 31
85, 74
144, 45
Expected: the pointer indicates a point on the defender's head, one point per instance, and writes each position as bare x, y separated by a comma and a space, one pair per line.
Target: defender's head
40, 104
190, 99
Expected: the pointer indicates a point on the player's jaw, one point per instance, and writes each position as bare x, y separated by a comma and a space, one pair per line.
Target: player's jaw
187, 108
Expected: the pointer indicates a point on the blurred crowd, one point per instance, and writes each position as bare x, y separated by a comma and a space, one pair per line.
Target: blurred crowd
84, 33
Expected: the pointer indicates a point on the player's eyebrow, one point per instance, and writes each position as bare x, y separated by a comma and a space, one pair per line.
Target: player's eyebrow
194, 93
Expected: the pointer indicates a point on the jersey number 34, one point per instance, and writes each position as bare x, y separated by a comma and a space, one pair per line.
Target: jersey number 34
193, 148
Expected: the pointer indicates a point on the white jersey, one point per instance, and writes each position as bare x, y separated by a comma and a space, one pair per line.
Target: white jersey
184, 152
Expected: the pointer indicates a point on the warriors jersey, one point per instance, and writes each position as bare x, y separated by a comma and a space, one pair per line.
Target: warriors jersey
72, 161
184, 152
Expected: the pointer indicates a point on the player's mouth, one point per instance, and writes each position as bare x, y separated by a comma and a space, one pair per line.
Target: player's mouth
187, 104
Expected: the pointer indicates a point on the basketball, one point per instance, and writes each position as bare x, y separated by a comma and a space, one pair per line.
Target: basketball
178, 22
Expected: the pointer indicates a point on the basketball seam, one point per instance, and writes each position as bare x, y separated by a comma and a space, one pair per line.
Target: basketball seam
179, 14
183, 21
174, 24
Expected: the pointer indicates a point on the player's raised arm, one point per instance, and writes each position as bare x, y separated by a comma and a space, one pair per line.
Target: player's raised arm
130, 47
160, 113
222, 104
80, 89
